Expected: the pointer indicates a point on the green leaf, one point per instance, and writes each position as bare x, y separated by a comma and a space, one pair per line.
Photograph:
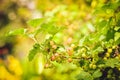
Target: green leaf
56, 64
35, 22
34, 51
112, 62
110, 34
101, 24
51, 28
97, 74
98, 48
118, 22
20, 31
117, 36
84, 76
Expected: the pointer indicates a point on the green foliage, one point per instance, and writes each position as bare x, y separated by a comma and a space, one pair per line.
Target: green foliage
84, 76
89, 46
97, 74
20, 31
34, 51
35, 22
112, 63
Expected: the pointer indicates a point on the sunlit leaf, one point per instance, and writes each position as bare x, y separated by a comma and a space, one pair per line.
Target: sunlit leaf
20, 31
35, 22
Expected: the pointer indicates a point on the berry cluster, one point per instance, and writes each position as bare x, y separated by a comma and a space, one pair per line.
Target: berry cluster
112, 52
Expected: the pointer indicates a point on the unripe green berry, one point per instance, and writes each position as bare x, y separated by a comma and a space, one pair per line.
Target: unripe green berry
105, 58
113, 47
94, 66
84, 55
73, 45
83, 50
107, 54
109, 50
90, 65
